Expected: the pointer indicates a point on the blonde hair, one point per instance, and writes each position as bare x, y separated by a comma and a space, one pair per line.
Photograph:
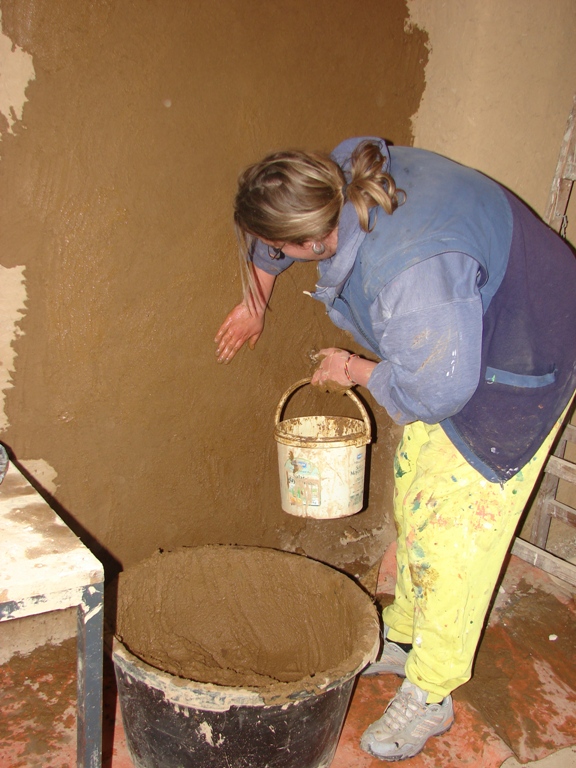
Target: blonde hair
294, 197
370, 186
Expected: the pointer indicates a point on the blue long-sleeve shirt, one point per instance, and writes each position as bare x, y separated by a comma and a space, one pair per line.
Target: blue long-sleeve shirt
428, 321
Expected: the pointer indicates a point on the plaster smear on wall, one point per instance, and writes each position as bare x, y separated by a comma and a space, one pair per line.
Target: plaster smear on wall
12, 305
16, 72
42, 472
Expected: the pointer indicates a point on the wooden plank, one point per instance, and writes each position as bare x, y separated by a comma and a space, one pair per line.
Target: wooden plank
544, 560
555, 214
562, 512
562, 468
541, 519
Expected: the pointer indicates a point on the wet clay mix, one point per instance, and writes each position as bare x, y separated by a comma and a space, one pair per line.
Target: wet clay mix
245, 616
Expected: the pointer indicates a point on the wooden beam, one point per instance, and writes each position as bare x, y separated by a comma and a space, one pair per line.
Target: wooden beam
544, 560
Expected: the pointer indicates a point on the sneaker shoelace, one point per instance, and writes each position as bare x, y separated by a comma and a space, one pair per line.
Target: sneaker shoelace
402, 710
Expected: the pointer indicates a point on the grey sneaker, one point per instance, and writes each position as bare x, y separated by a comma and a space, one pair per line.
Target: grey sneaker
392, 659
407, 724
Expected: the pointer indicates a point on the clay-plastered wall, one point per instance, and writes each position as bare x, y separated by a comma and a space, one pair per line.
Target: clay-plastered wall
122, 144
124, 128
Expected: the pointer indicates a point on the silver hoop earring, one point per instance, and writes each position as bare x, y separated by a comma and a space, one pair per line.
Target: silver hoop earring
319, 248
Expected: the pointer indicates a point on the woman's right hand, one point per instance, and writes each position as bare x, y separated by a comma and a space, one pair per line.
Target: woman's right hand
240, 326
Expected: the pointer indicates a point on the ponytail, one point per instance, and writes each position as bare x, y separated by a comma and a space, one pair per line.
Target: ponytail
370, 186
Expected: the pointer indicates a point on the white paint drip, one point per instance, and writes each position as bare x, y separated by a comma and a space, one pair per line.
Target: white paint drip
94, 612
16, 72
204, 729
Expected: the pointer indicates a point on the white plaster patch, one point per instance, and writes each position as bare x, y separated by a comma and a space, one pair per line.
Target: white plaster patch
206, 731
16, 72
43, 473
12, 309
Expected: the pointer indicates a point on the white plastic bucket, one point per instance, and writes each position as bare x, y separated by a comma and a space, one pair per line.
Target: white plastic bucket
321, 461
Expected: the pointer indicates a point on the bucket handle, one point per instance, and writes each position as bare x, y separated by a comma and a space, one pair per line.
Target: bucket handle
355, 399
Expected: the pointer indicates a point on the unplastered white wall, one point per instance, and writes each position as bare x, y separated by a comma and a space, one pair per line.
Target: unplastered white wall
500, 81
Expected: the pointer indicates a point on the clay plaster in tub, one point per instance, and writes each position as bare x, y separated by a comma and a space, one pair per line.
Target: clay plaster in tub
184, 694
225, 620
181, 692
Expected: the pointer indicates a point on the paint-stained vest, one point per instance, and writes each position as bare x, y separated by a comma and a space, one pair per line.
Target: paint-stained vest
527, 280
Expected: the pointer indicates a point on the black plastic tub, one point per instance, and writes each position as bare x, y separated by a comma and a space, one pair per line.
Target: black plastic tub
174, 722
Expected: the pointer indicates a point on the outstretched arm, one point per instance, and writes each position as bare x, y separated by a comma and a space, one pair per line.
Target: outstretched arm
246, 321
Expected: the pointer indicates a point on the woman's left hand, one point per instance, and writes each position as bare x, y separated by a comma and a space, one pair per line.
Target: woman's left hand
332, 369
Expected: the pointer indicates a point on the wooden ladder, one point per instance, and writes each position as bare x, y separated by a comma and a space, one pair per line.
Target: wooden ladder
558, 466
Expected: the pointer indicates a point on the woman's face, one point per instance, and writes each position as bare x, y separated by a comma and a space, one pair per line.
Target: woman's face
304, 252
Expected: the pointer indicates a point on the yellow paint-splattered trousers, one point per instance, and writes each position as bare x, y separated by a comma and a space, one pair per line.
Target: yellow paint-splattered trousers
454, 530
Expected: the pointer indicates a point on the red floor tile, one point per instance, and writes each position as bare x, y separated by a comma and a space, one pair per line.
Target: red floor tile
524, 680
38, 708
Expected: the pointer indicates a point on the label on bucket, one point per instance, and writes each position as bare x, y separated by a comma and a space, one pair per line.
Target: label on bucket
357, 480
321, 481
303, 482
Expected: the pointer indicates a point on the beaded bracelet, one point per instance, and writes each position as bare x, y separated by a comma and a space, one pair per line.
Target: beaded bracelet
347, 372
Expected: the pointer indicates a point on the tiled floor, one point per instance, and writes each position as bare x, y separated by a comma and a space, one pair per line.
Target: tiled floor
519, 707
